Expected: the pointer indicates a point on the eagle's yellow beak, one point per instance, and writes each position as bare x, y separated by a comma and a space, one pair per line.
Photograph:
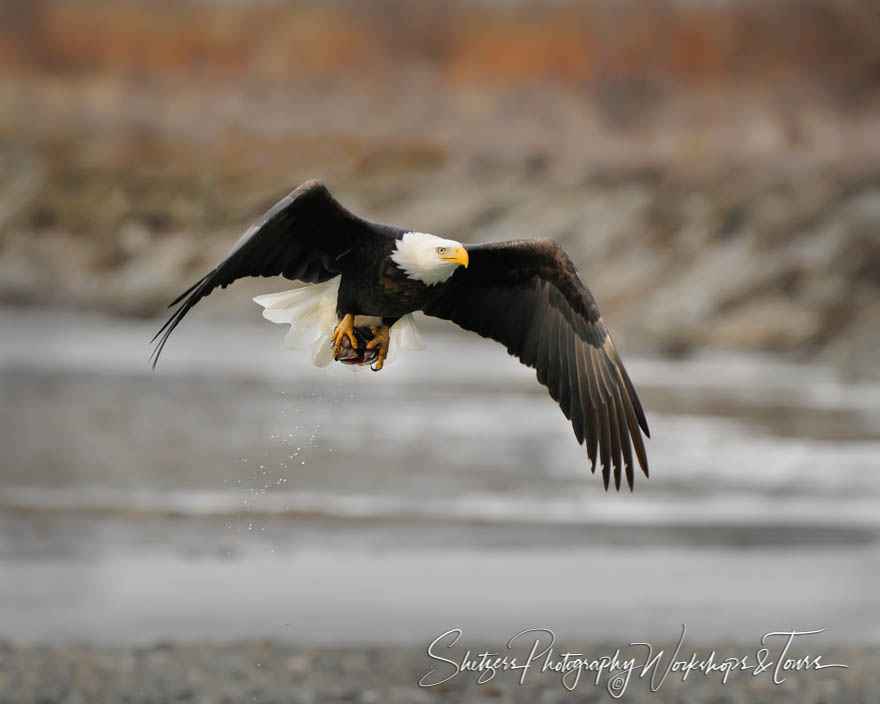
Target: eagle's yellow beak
459, 256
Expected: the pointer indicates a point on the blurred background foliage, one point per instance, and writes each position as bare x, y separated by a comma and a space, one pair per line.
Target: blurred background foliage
713, 167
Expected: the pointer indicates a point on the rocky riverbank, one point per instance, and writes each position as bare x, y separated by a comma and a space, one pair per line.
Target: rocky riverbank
784, 258
267, 672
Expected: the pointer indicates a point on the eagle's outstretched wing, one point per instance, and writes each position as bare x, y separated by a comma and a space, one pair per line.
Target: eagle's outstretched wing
302, 237
527, 295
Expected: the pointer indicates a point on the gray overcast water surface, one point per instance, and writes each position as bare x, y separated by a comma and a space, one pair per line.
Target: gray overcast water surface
239, 492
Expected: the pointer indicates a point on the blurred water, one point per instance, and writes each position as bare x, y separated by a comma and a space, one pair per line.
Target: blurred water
236, 462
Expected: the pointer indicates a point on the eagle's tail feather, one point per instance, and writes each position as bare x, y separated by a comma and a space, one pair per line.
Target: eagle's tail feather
311, 313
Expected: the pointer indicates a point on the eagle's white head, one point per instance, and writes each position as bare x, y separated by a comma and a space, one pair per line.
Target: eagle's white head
428, 258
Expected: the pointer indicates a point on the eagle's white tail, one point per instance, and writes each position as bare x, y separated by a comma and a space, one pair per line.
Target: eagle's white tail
311, 313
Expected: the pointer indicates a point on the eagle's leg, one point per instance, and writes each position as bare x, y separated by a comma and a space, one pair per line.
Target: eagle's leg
343, 330
381, 339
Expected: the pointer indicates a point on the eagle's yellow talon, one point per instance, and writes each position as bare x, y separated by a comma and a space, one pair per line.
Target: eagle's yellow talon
343, 330
381, 339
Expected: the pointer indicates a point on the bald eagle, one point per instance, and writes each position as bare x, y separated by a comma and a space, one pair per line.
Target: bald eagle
369, 278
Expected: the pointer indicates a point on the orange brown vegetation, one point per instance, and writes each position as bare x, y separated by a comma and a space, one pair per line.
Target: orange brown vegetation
809, 41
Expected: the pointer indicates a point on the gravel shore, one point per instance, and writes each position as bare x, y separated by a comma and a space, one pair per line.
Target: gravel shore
268, 672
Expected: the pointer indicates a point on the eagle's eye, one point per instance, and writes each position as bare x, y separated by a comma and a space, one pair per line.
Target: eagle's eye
441, 250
